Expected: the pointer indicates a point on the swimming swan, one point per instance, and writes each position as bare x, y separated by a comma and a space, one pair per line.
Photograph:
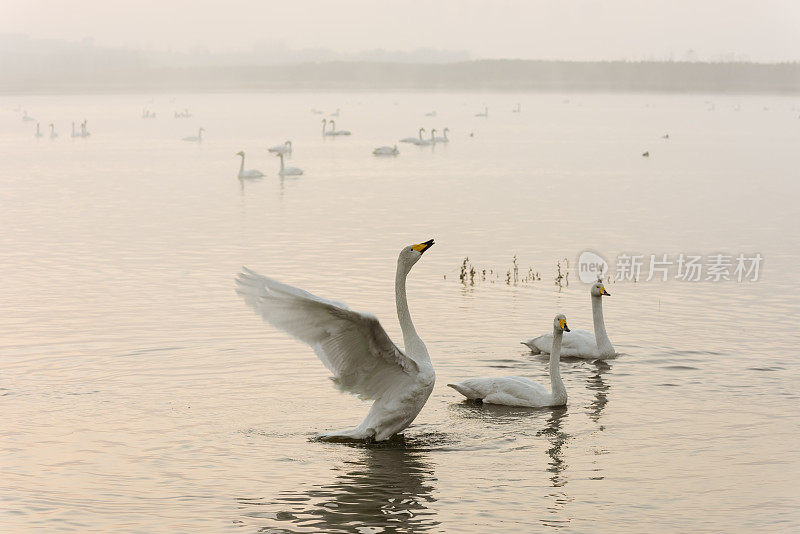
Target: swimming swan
517, 390
484, 114
288, 171
581, 343
196, 138
386, 151
334, 131
53, 133
442, 139
38, 132
324, 124
355, 347
285, 148
414, 140
249, 173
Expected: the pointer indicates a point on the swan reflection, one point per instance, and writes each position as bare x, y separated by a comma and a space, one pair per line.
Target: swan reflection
386, 488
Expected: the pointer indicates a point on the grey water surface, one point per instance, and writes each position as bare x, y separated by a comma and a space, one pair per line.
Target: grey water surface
139, 394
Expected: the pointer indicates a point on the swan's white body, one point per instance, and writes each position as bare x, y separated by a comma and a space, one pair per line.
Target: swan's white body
248, 173
443, 139
285, 148
38, 131
196, 138
484, 114
355, 347
415, 140
581, 343
26, 117
53, 133
386, 151
334, 131
288, 171
517, 390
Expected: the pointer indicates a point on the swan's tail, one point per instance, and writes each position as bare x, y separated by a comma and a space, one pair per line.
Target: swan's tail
357, 434
465, 390
531, 344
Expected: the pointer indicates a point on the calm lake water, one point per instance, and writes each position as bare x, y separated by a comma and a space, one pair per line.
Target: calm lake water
139, 394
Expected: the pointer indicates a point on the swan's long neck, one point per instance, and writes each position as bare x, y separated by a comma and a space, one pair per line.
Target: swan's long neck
324, 124
281, 156
241, 167
604, 345
445, 133
556, 384
200, 137
411, 339
73, 128
420, 133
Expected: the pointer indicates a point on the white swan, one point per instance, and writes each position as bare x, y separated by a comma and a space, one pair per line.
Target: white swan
196, 138
517, 109
285, 148
335, 113
355, 347
581, 343
334, 131
53, 133
38, 132
413, 139
517, 390
84, 131
386, 151
288, 171
484, 114
426, 142
26, 117
442, 139
430, 114
249, 173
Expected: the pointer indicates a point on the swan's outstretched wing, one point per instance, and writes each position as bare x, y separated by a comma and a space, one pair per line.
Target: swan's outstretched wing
352, 345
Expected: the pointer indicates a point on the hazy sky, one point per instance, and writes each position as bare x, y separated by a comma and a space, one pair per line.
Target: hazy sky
762, 30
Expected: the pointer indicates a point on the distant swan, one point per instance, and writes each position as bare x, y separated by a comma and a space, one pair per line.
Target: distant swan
288, 171
484, 114
249, 173
334, 131
430, 114
442, 139
38, 132
581, 343
285, 148
84, 131
196, 138
26, 117
426, 142
517, 390
335, 113
355, 347
53, 133
516, 109
386, 151
413, 139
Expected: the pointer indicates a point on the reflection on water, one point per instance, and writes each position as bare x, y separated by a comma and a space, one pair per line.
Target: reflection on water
556, 467
598, 385
384, 489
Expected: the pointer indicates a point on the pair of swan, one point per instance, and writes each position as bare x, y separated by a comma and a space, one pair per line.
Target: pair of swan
519, 391
333, 131
516, 109
419, 141
255, 173
355, 347
364, 360
285, 148
196, 138
386, 151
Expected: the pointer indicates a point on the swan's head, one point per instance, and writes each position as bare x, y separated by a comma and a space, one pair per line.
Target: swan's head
412, 253
240, 153
560, 323
599, 290
202, 129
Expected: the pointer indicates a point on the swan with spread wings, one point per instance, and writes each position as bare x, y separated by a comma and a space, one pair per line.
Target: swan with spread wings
355, 347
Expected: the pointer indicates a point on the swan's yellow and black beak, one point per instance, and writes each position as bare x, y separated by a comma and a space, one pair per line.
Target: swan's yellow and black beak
603, 291
563, 323
422, 247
